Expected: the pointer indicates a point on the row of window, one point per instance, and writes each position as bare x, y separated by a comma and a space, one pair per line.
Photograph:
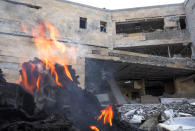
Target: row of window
150, 25
83, 24
145, 26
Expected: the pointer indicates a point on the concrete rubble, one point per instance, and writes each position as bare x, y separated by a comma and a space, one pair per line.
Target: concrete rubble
164, 116
178, 124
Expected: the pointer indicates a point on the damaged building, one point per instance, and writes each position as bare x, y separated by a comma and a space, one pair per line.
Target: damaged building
135, 61
131, 52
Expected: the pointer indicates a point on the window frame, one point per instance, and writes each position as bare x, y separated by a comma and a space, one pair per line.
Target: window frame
104, 26
84, 20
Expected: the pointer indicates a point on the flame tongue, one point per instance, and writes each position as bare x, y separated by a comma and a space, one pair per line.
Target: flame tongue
108, 115
94, 128
51, 66
67, 72
25, 82
38, 82
30, 83
49, 48
50, 51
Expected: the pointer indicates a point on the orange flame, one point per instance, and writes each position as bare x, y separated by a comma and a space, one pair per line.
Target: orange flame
25, 80
31, 83
38, 82
94, 128
67, 73
108, 115
51, 66
50, 51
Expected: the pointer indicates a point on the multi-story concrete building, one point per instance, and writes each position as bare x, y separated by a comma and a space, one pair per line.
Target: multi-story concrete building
135, 51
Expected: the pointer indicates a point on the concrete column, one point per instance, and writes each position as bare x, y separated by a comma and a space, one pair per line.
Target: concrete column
190, 13
113, 34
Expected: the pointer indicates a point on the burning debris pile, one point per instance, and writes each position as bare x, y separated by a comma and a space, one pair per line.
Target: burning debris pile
81, 105
148, 116
46, 107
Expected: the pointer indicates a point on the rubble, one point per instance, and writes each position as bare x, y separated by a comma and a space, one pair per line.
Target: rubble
136, 119
181, 114
171, 100
178, 124
153, 114
131, 112
193, 104
150, 124
168, 114
144, 110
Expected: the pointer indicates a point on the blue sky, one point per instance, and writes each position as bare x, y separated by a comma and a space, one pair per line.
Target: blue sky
120, 4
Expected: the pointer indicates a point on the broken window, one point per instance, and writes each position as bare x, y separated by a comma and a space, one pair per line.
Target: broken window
173, 50
83, 23
182, 21
141, 26
103, 26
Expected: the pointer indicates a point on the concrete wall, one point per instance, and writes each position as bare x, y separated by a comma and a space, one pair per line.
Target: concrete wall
190, 13
184, 87
65, 16
155, 38
147, 12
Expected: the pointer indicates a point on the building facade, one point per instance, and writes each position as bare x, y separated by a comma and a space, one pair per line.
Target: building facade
132, 52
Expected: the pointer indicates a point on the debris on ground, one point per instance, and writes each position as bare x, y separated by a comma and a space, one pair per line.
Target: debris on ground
149, 116
178, 124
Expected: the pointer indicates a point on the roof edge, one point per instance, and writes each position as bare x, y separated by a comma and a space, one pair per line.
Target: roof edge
125, 9
147, 7
84, 5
